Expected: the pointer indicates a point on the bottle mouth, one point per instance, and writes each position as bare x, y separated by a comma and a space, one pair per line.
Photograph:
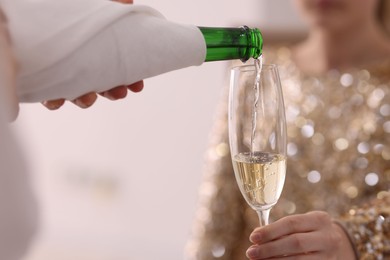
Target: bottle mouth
258, 38
254, 49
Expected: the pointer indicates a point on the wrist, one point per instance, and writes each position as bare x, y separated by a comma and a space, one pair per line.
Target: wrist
346, 248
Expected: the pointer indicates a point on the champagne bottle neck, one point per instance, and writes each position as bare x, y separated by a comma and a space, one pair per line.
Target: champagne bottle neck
232, 43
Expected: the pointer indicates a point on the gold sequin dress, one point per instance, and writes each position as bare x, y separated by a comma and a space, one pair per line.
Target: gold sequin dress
338, 161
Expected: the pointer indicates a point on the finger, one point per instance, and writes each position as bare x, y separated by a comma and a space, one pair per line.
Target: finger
291, 224
115, 93
124, 1
86, 100
309, 256
296, 244
136, 87
54, 104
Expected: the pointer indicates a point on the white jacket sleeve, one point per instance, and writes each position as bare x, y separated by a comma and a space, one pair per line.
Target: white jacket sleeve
67, 48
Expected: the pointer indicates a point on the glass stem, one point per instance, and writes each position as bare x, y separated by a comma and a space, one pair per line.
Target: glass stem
263, 216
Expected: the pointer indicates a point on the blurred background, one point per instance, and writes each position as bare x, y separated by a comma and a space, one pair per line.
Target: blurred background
120, 180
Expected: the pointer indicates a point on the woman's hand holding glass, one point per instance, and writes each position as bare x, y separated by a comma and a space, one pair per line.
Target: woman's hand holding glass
304, 236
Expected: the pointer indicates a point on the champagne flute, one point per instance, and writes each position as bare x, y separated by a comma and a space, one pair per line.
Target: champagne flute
257, 135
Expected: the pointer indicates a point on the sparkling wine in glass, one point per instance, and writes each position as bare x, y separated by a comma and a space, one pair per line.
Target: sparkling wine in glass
257, 135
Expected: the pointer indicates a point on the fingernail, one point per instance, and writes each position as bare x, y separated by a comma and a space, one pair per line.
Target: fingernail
251, 252
51, 106
80, 104
254, 238
108, 95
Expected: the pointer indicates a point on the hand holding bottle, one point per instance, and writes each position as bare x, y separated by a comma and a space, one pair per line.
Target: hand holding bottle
108, 44
89, 99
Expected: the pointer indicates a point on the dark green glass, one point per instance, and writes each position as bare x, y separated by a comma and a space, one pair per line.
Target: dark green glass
232, 43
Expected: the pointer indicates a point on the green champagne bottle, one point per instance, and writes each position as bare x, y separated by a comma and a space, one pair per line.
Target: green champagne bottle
232, 43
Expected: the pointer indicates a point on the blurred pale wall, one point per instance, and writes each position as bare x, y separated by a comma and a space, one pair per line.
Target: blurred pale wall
120, 180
